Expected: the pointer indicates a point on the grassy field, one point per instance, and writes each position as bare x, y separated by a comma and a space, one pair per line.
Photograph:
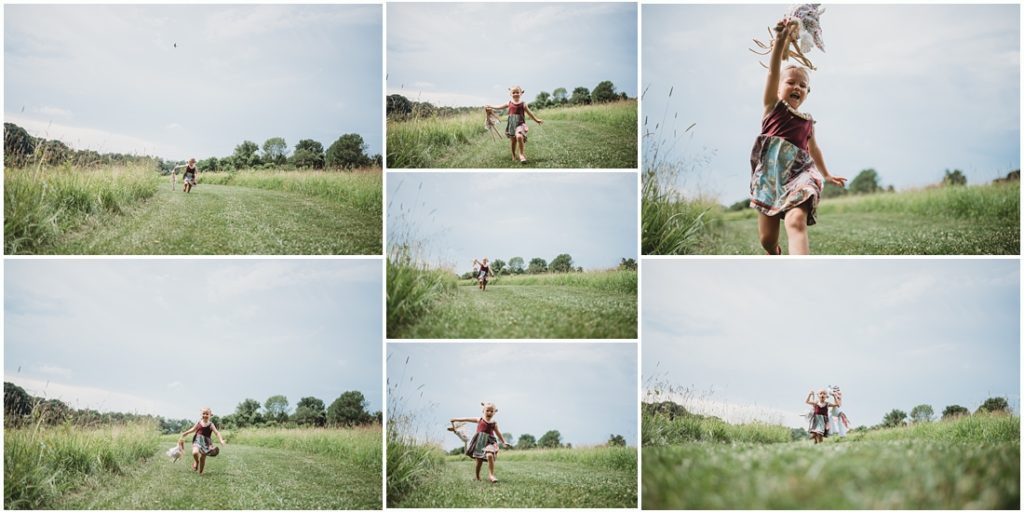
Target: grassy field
981, 219
575, 305
252, 212
593, 136
124, 468
600, 477
971, 462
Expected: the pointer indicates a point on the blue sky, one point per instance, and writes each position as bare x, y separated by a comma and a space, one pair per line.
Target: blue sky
461, 216
587, 393
124, 335
108, 78
751, 338
470, 54
926, 88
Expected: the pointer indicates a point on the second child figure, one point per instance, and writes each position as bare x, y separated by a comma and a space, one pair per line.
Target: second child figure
788, 170
484, 444
202, 444
516, 128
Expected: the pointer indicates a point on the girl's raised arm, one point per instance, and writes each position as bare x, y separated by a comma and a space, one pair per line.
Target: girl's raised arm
215, 431
530, 113
810, 398
466, 420
771, 89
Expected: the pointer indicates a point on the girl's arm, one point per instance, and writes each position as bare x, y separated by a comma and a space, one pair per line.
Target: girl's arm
187, 432
810, 398
530, 113
819, 162
500, 437
497, 107
771, 88
215, 431
466, 420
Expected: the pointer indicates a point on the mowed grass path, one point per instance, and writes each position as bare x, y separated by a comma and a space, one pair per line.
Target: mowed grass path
533, 311
525, 484
241, 477
877, 233
554, 144
891, 474
218, 219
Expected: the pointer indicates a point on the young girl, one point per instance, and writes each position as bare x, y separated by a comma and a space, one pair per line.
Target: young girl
483, 272
788, 171
484, 444
191, 175
202, 445
819, 415
516, 128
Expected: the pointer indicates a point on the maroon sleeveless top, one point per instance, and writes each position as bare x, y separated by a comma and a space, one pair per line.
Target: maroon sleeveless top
782, 122
203, 431
821, 409
517, 109
483, 426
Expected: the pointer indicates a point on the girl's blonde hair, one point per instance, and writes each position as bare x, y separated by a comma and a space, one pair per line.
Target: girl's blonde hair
517, 88
485, 405
805, 71
206, 409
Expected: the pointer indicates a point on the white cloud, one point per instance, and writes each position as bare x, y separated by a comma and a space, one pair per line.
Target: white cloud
81, 397
55, 371
54, 111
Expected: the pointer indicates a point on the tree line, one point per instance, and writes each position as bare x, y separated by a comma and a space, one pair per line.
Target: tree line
562, 263
349, 409
347, 152
550, 439
22, 150
400, 107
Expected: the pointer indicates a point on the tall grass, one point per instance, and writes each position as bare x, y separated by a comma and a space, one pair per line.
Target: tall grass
42, 204
409, 461
412, 287
607, 457
661, 430
996, 202
42, 463
360, 188
360, 446
671, 223
623, 281
981, 427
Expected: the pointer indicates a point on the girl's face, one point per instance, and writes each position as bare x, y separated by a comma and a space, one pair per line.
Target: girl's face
822, 396
206, 415
516, 94
794, 87
489, 411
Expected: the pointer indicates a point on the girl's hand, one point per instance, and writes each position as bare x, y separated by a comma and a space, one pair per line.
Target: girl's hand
540, 121
836, 180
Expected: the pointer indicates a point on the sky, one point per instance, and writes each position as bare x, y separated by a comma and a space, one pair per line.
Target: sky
108, 77
470, 54
587, 393
168, 337
938, 88
750, 339
459, 217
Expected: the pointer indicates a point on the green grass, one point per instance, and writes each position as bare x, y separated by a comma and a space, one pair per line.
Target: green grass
971, 462
42, 464
593, 136
587, 305
413, 290
42, 205
357, 446
660, 430
360, 188
982, 219
601, 477
671, 224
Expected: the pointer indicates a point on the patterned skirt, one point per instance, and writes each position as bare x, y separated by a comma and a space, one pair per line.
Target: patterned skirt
205, 445
481, 444
783, 177
516, 126
817, 425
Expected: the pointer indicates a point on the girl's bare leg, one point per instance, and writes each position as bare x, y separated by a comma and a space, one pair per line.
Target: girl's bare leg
768, 229
478, 464
202, 463
796, 231
490, 468
195, 457
522, 147
514, 157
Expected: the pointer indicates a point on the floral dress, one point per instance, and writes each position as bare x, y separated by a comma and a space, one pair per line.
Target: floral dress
783, 174
483, 442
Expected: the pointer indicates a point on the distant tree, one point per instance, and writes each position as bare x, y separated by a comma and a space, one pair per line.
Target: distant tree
348, 409
895, 418
516, 265
954, 178
19, 146
247, 413
52, 411
508, 438
604, 92
277, 408
922, 413
17, 402
580, 96
245, 154
670, 409
497, 266
623, 96
995, 404
542, 100
308, 153
561, 263
560, 96
866, 182
616, 440
798, 434
829, 191
348, 152
550, 439
52, 152
953, 411
208, 164
310, 412
627, 264
458, 450
274, 150
537, 266
526, 442
398, 104
740, 205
